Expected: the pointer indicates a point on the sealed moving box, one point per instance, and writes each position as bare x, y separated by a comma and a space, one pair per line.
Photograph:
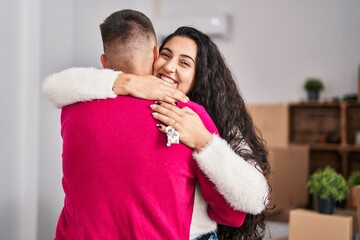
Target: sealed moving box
357, 199
310, 225
288, 179
289, 163
350, 212
272, 120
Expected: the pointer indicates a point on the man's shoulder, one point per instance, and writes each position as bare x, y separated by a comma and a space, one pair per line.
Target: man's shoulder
123, 100
121, 107
199, 109
203, 114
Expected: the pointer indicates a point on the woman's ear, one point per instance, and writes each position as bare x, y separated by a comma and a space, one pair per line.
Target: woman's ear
104, 61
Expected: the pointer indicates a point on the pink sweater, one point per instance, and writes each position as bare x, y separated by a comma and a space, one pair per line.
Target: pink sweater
122, 182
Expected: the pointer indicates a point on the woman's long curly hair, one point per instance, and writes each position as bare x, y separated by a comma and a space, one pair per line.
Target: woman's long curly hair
215, 89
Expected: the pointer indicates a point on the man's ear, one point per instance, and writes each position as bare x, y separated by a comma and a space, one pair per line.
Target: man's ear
156, 55
104, 61
156, 52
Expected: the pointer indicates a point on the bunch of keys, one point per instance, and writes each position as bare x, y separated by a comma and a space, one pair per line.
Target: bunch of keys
172, 136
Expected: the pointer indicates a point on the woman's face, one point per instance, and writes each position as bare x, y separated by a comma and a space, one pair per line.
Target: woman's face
176, 63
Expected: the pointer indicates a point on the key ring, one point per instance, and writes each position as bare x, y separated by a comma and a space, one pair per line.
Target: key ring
172, 136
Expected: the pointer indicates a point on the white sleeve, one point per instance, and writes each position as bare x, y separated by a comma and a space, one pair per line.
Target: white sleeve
240, 182
79, 84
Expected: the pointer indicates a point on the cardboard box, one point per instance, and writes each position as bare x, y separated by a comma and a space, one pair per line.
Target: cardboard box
289, 163
310, 225
272, 120
357, 199
350, 213
351, 201
288, 179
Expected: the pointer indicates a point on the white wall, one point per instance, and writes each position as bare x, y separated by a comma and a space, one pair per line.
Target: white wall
57, 34
20, 25
274, 46
9, 163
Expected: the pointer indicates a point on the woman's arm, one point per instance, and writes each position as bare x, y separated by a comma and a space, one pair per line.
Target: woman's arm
241, 183
79, 84
84, 84
218, 208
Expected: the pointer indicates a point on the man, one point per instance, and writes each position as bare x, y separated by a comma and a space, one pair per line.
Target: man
119, 178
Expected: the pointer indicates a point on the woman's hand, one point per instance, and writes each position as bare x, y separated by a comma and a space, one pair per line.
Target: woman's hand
147, 87
186, 122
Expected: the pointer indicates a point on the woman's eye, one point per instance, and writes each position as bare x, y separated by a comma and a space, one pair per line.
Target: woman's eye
165, 55
185, 63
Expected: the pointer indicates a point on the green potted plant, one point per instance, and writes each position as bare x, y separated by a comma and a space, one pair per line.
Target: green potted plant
328, 187
353, 180
313, 86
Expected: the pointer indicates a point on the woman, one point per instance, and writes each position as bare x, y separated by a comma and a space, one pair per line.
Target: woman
192, 63
215, 89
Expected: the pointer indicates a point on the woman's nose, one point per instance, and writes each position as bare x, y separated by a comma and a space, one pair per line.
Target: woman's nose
170, 66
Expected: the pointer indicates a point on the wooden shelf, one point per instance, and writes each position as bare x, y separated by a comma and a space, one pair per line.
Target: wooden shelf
325, 146
329, 129
335, 147
353, 148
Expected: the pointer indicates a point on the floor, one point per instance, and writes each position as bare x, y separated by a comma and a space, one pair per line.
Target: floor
276, 230
277, 225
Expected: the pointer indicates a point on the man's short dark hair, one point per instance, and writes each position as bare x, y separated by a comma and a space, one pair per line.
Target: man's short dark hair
125, 25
